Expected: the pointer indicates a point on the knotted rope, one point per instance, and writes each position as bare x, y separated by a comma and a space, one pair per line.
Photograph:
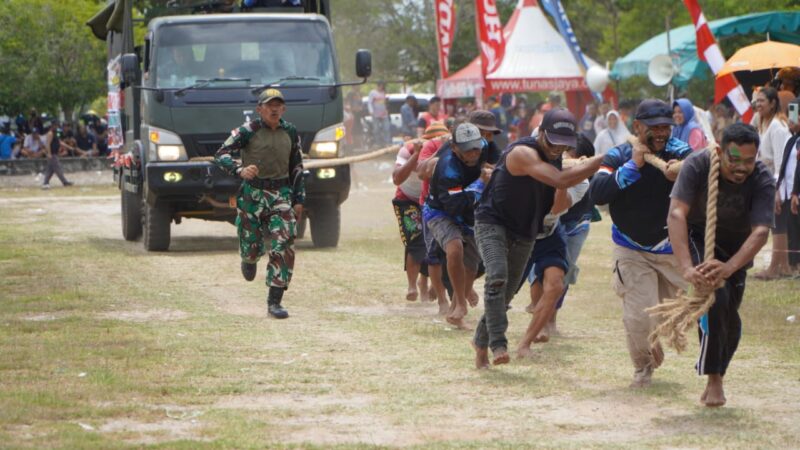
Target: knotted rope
677, 315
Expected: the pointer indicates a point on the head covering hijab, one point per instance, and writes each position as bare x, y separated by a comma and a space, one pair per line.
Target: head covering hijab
620, 133
690, 122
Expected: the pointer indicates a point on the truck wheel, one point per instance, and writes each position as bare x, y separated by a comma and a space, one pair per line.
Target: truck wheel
131, 215
302, 223
325, 226
157, 221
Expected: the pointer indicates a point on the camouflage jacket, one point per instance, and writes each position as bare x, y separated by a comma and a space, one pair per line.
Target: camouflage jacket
231, 149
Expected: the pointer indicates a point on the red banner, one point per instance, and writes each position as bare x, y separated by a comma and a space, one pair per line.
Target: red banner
490, 35
708, 51
445, 31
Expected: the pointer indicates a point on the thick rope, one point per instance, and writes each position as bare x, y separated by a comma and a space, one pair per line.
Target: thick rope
319, 163
676, 316
670, 171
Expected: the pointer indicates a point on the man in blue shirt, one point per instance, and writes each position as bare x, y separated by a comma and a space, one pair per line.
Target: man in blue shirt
645, 271
455, 188
7, 141
408, 116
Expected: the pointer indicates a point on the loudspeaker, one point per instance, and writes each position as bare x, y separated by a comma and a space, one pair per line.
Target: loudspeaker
661, 70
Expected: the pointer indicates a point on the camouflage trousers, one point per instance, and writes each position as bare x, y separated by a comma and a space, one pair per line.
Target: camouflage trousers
267, 213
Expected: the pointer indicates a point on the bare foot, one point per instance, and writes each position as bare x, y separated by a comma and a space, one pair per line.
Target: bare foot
472, 298
411, 294
704, 396
715, 395
524, 352
542, 337
458, 322
423, 291
459, 311
444, 307
481, 357
658, 355
529, 309
500, 356
432, 294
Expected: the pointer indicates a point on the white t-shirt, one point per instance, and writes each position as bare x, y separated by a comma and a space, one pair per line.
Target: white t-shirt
412, 187
773, 140
34, 144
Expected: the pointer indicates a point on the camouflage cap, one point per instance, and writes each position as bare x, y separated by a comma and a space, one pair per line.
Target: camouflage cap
268, 94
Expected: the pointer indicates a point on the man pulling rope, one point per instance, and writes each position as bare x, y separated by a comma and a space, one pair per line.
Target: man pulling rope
722, 202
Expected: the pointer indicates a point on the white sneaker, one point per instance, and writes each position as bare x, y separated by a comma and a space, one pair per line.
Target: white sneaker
45, 186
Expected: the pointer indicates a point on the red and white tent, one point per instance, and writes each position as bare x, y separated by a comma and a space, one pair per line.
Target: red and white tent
536, 59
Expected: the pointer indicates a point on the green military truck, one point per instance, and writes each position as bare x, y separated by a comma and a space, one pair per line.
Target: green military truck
196, 78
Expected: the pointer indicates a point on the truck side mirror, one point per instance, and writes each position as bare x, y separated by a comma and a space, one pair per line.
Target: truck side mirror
363, 63
129, 64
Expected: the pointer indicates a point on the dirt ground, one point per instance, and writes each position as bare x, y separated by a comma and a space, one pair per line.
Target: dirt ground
174, 349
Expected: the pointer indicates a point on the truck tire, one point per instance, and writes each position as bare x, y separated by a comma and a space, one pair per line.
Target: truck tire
131, 215
302, 224
325, 226
157, 221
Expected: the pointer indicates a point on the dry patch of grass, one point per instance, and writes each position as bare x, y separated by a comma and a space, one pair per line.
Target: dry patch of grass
106, 346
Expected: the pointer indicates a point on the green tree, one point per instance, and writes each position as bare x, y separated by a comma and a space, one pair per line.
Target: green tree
48, 57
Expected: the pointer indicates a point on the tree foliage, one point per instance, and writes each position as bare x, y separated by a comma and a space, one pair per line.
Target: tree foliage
402, 38
48, 57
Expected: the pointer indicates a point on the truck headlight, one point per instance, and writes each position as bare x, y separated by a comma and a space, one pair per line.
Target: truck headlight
166, 146
326, 142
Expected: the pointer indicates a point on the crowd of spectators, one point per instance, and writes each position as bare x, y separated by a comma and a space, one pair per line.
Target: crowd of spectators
25, 137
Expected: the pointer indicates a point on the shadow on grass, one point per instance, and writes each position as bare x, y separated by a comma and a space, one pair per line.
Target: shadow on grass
179, 246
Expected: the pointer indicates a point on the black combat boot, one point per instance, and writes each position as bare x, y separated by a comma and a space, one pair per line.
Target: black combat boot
249, 270
274, 303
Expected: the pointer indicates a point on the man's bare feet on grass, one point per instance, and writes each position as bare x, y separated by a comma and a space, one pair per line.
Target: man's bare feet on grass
458, 322
432, 294
542, 337
444, 307
714, 396
424, 294
658, 355
500, 356
473, 298
529, 309
481, 357
524, 352
411, 294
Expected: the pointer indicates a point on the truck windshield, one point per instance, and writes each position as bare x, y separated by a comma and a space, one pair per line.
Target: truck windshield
263, 52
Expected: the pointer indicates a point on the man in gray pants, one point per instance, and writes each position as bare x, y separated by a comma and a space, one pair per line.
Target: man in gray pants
507, 219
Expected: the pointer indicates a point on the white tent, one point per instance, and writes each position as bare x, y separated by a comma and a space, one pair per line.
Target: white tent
537, 58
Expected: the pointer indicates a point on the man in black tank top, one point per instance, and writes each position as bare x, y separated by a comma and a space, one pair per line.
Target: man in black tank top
509, 215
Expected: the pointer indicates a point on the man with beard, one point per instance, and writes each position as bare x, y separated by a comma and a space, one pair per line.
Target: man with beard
509, 216
744, 215
645, 272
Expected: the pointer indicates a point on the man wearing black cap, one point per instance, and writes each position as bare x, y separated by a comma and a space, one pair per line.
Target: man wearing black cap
645, 271
272, 193
507, 220
485, 122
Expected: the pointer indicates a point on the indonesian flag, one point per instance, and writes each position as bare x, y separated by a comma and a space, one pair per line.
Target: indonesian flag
445, 31
490, 35
708, 51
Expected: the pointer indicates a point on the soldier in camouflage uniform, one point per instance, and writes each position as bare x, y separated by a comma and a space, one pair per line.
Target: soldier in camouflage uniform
272, 193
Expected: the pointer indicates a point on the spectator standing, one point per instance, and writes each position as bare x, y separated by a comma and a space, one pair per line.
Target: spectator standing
501, 121
774, 133
408, 117
600, 123
615, 134
687, 128
435, 113
356, 105
786, 185
381, 127
7, 142
51, 148
586, 124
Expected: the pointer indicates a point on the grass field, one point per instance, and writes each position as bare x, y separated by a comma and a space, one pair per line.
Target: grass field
106, 346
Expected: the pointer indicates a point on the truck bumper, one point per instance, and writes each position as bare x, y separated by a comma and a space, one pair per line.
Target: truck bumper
168, 179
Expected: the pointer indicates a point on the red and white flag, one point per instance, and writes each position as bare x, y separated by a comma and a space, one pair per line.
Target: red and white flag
490, 35
445, 31
708, 51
